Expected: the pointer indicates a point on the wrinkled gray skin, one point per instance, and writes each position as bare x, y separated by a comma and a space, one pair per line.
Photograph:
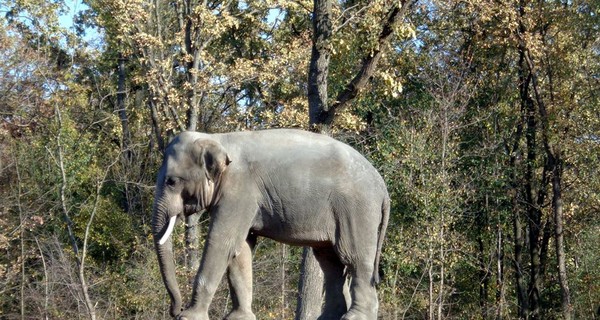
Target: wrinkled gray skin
292, 186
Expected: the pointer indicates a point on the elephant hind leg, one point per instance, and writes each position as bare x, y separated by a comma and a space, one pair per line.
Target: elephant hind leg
357, 246
239, 276
364, 294
335, 278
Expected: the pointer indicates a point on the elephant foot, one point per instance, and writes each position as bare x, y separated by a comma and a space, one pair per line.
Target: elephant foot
332, 314
357, 315
192, 315
240, 315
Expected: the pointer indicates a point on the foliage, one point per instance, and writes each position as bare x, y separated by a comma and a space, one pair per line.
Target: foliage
470, 102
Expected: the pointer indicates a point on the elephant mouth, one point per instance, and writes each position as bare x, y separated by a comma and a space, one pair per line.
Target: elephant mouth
188, 209
191, 208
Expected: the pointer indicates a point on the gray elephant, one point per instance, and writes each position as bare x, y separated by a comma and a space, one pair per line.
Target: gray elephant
292, 186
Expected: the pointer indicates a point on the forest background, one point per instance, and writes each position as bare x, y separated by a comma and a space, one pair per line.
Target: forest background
482, 116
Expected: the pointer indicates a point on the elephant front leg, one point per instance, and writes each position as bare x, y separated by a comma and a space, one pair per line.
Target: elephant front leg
239, 275
219, 250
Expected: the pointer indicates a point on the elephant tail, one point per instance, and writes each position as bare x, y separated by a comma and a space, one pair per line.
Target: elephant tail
385, 216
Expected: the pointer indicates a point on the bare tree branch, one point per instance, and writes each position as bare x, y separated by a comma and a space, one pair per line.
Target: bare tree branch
395, 15
69, 223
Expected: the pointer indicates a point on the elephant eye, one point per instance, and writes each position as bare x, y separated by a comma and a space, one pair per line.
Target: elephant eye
171, 181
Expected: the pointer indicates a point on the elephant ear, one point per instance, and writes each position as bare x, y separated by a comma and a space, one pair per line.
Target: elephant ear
211, 157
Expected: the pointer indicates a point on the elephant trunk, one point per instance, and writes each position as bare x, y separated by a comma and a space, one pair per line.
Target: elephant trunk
164, 249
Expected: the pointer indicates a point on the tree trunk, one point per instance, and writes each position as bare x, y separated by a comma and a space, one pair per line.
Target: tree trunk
442, 275
533, 212
156, 125
192, 49
500, 291
325, 115
192, 243
126, 138
557, 208
532, 204
21, 239
534, 216
321, 116
284, 257
484, 272
430, 279
483, 277
310, 287
552, 167
522, 302
319, 62
515, 194
90, 307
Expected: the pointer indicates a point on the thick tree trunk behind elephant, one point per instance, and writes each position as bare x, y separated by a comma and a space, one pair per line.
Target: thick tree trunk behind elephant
310, 287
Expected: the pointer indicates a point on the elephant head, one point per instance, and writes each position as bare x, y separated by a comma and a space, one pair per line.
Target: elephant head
188, 182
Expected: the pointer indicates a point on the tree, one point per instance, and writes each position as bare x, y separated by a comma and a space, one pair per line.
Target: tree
322, 114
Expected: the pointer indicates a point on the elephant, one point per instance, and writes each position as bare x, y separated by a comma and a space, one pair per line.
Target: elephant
293, 186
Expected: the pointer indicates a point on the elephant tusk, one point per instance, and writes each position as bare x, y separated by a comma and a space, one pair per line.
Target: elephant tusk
168, 231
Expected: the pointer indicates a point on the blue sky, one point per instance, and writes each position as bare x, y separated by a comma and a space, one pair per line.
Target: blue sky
74, 6
94, 38
66, 20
